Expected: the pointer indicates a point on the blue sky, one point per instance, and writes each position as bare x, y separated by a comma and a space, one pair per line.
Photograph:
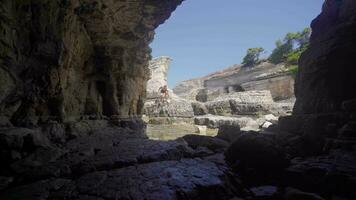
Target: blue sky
203, 36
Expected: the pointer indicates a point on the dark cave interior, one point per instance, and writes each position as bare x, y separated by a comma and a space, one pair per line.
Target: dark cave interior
72, 86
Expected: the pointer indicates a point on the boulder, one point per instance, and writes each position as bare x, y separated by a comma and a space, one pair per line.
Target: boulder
212, 143
266, 125
252, 150
271, 118
213, 121
292, 124
202, 95
241, 103
229, 133
201, 130
199, 108
188, 89
174, 107
334, 174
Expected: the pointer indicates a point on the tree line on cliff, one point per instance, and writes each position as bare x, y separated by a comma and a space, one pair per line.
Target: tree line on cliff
287, 51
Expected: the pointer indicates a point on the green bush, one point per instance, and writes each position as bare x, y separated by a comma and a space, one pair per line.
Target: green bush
285, 51
280, 53
252, 56
293, 57
293, 69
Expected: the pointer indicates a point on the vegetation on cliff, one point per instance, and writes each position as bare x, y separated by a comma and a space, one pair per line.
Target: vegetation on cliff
252, 56
287, 51
290, 48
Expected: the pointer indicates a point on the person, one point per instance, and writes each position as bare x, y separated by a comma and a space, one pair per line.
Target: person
164, 92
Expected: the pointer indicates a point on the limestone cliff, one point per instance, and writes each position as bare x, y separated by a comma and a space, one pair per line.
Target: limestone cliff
156, 106
66, 59
264, 76
158, 76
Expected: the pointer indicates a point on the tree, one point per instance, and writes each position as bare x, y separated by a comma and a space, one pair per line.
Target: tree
252, 56
280, 52
304, 38
290, 49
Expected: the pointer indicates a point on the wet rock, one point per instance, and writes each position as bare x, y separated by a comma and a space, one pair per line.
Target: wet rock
229, 133
185, 179
212, 143
252, 150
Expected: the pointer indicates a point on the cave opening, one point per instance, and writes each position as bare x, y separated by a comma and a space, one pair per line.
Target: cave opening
72, 89
236, 67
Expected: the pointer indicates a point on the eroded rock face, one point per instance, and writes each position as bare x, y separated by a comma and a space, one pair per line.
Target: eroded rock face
65, 59
326, 72
241, 103
116, 163
264, 76
159, 105
158, 76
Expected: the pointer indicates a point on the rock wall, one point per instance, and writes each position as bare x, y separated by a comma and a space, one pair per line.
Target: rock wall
327, 69
65, 59
158, 76
281, 87
155, 106
189, 89
264, 76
